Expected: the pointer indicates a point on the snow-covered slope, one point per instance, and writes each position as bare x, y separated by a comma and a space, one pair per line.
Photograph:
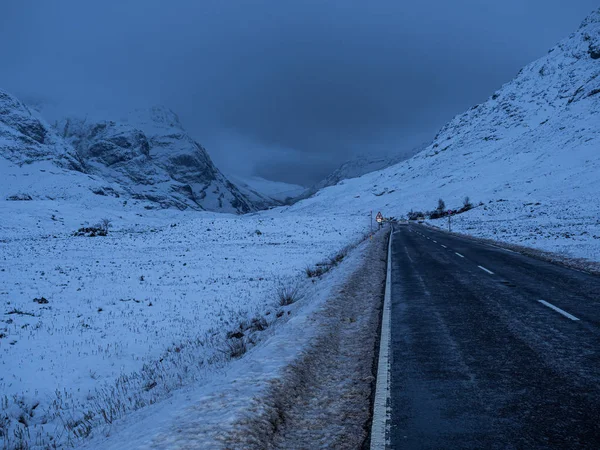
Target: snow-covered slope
530, 153
265, 193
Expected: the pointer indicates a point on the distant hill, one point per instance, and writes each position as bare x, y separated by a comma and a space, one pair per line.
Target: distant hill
362, 165
358, 167
266, 193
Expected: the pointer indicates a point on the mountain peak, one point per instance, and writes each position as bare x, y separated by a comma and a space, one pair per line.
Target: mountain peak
593, 18
157, 117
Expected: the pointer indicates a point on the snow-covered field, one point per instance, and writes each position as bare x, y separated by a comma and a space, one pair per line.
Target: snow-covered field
136, 314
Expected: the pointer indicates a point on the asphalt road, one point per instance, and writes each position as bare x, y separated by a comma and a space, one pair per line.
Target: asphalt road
478, 361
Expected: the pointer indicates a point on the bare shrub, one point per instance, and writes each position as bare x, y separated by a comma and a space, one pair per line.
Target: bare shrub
415, 215
312, 273
325, 266
236, 348
19, 197
235, 334
288, 293
339, 257
104, 225
441, 206
258, 324
100, 229
19, 312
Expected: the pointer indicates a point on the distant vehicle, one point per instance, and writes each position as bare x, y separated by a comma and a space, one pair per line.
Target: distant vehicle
420, 219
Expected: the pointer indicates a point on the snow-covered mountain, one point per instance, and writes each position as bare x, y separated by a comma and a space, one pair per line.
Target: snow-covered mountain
25, 136
530, 153
266, 193
362, 165
151, 156
148, 156
37, 164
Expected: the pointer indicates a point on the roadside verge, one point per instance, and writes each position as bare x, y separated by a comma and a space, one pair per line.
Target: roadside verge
308, 384
322, 398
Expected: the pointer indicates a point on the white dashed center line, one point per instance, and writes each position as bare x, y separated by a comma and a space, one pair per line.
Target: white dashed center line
486, 270
444, 246
458, 254
435, 242
558, 310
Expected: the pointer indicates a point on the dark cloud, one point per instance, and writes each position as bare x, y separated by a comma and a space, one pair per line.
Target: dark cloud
284, 89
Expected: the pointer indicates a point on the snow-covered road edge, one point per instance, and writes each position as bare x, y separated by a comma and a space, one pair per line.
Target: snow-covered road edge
322, 398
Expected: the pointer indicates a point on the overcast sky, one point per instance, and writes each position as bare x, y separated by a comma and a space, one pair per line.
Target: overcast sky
282, 89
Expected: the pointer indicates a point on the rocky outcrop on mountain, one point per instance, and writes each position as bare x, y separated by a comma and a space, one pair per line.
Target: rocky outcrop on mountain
152, 157
121, 154
25, 137
187, 162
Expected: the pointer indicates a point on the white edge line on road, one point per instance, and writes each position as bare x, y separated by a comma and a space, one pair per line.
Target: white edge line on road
459, 254
380, 427
486, 270
443, 245
558, 310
